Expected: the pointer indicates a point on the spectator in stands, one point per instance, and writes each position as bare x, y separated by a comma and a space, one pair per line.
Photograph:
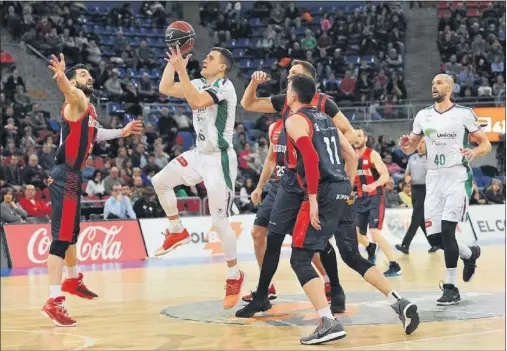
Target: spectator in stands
138, 189
183, 122
33, 207
265, 45
406, 195
477, 197
12, 82
21, 98
11, 131
101, 75
233, 10
292, 16
151, 167
331, 86
12, 173
348, 85
118, 206
161, 158
147, 205
47, 157
95, 186
240, 29
494, 193
396, 172
497, 66
308, 42
484, 89
146, 90
222, 30
145, 56
113, 86
112, 179
11, 212
499, 85
392, 199
140, 157
277, 16
33, 173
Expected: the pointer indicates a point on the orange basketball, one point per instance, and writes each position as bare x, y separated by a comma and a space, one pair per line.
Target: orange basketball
181, 34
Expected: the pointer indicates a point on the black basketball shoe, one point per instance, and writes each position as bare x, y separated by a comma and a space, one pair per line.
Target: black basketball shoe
450, 295
394, 270
371, 249
469, 265
434, 249
328, 330
253, 307
402, 248
407, 311
337, 300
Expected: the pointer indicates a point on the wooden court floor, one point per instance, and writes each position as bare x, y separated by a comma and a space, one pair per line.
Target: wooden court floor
128, 316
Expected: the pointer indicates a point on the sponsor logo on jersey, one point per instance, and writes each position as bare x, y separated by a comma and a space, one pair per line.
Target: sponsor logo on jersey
279, 148
365, 172
447, 135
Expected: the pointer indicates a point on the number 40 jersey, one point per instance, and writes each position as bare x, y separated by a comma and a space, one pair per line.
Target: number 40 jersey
446, 134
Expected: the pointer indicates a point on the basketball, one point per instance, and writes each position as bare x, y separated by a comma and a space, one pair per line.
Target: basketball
181, 34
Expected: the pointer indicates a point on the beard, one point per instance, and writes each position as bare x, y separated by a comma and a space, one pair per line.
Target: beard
439, 98
360, 145
84, 88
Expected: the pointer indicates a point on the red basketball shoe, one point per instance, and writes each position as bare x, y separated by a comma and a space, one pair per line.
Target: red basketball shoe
172, 241
271, 294
55, 310
233, 290
75, 286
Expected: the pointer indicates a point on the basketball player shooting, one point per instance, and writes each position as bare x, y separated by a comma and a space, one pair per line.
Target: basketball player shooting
446, 127
79, 131
213, 102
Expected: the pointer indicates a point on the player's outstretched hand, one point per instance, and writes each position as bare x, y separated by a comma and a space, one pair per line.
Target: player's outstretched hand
314, 213
57, 66
256, 196
134, 127
468, 153
260, 77
176, 58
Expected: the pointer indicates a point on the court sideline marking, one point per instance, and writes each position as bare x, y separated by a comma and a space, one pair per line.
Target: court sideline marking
88, 341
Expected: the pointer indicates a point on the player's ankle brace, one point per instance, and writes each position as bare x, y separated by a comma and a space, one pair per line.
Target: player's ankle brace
301, 263
59, 248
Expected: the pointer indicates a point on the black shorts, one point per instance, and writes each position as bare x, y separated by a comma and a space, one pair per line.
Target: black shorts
370, 211
266, 206
285, 209
332, 201
345, 234
65, 193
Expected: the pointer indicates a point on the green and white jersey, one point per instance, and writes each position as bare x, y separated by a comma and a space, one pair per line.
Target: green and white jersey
446, 133
214, 125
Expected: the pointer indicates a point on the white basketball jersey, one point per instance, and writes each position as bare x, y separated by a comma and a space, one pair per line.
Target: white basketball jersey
214, 125
446, 134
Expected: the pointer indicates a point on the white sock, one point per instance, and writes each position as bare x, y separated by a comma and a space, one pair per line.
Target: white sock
175, 225
55, 291
393, 297
450, 277
464, 251
72, 272
325, 312
233, 272
326, 278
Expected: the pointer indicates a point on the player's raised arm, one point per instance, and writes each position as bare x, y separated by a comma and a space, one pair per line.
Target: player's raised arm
250, 101
267, 170
195, 99
167, 85
134, 127
349, 156
382, 171
73, 96
340, 121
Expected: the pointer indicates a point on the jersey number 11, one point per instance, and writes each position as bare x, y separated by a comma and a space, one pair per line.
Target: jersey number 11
332, 156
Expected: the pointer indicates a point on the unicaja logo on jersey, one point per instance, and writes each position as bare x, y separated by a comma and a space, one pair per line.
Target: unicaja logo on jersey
447, 135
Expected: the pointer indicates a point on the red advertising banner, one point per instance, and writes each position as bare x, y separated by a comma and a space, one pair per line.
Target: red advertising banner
98, 242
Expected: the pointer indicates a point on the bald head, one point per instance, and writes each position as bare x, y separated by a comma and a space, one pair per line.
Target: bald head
441, 87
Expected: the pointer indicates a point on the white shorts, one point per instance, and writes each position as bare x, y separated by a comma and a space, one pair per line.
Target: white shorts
218, 171
448, 192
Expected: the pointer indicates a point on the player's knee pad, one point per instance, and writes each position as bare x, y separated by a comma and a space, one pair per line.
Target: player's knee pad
301, 263
59, 248
354, 260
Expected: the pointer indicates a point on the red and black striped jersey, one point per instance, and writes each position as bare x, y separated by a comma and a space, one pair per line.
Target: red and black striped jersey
366, 174
77, 139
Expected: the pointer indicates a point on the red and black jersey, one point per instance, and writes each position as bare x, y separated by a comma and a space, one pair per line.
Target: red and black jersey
77, 139
366, 174
278, 139
319, 102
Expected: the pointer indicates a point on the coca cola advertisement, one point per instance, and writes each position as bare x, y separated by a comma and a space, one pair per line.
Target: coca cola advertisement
98, 242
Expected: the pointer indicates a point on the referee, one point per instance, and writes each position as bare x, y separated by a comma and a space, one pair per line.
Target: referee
416, 175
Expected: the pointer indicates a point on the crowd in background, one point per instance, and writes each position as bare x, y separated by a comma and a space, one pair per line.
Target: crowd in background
472, 50
120, 171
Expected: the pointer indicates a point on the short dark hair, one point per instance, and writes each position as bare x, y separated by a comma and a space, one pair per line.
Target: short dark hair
304, 87
227, 58
5, 191
307, 66
71, 72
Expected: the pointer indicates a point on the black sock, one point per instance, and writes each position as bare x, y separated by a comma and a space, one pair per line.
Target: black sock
328, 259
269, 264
451, 249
